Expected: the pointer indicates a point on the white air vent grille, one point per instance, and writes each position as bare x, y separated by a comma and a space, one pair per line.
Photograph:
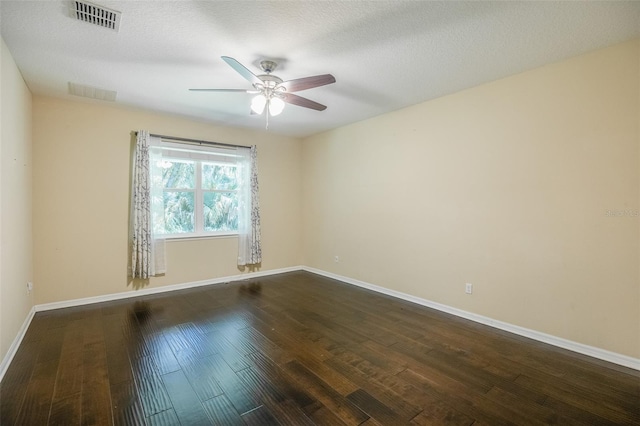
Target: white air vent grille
92, 92
96, 15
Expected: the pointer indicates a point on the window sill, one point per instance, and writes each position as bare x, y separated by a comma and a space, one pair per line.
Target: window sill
200, 237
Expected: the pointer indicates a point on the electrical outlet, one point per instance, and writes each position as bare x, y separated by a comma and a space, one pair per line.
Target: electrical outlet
468, 288
336, 259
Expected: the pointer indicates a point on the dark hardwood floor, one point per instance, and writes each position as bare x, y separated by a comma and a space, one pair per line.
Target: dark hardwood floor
298, 349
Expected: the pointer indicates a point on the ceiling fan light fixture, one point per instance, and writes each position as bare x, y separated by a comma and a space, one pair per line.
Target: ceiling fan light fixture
258, 103
276, 105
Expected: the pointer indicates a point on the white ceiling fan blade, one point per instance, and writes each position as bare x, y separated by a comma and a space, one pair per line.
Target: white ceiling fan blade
223, 90
242, 70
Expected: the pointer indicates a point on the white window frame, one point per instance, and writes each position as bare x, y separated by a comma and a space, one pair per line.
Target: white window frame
199, 155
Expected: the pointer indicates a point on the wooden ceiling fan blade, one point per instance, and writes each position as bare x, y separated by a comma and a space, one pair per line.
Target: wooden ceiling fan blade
242, 70
303, 102
307, 82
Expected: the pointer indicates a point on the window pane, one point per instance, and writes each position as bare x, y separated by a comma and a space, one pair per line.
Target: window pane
220, 177
178, 174
220, 211
178, 212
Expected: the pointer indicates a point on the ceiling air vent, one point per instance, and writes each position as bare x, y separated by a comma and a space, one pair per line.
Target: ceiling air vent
94, 14
92, 92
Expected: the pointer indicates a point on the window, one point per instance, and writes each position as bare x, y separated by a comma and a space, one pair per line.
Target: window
195, 190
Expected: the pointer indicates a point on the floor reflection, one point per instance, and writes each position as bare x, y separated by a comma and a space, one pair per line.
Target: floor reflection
141, 311
252, 288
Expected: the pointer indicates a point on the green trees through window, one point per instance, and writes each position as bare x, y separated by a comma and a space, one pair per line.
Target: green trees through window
178, 179
220, 208
200, 197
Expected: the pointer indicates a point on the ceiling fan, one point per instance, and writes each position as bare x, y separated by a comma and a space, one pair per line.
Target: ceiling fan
271, 91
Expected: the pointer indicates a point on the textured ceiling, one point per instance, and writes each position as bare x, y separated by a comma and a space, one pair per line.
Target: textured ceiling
385, 55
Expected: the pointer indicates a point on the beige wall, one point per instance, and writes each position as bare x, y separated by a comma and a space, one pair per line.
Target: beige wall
16, 266
81, 200
505, 186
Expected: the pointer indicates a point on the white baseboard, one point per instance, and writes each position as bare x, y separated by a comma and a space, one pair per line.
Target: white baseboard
591, 351
163, 289
6, 361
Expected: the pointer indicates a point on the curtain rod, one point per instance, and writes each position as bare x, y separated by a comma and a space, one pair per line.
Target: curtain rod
174, 138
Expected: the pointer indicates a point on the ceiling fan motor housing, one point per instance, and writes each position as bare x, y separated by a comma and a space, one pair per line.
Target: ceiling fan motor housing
268, 66
269, 80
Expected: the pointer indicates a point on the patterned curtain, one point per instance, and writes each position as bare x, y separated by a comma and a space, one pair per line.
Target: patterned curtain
147, 253
249, 247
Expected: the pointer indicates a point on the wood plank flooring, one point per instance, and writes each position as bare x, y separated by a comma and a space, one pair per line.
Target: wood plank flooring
298, 349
